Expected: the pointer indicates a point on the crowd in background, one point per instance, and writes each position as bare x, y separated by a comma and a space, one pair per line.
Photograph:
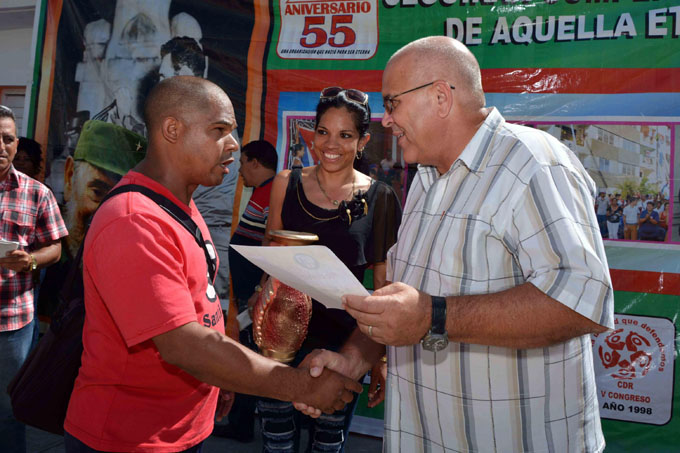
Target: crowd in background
635, 217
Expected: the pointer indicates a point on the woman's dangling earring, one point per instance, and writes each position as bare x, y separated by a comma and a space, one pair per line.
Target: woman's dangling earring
360, 154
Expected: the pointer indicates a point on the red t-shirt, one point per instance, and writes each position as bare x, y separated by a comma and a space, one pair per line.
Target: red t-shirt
144, 275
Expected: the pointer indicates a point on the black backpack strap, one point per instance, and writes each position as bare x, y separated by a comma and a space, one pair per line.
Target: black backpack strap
175, 212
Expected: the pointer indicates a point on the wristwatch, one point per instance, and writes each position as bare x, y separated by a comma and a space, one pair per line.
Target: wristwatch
437, 338
33, 265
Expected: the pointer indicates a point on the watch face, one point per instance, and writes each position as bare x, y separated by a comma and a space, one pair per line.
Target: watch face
435, 342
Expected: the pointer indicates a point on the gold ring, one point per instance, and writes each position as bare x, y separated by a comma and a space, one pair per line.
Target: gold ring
370, 331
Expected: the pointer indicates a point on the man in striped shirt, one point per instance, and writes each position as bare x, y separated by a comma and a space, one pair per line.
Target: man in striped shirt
500, 275
257, 168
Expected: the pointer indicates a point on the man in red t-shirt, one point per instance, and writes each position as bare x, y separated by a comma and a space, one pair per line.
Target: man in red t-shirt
155, 354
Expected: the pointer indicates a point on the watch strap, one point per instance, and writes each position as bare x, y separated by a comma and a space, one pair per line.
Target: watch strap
438, 315
32, 265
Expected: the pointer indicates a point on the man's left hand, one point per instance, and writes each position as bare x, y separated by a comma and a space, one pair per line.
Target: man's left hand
16, 260
224, 403
396, 314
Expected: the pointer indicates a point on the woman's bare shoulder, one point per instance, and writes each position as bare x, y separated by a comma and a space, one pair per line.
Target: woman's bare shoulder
362, 181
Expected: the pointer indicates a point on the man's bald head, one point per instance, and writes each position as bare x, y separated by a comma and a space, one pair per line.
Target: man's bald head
179, 97
444, 58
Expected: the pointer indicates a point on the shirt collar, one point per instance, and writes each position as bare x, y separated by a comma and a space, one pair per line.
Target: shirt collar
266, 182
473, 156
12, 180
474, 153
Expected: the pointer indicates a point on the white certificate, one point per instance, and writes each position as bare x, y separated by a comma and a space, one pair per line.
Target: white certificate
7, 246
312, 269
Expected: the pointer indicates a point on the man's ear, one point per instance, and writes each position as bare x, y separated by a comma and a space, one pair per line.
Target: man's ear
444, 98
69, 169
171, 129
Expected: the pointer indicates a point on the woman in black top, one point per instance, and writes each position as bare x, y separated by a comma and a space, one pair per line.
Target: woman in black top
353, 215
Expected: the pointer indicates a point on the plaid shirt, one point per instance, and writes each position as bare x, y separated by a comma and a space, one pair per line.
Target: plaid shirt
29, 214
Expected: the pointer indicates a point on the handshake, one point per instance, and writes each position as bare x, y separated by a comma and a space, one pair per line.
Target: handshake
320, 363
281, 316
396, 314
320, 390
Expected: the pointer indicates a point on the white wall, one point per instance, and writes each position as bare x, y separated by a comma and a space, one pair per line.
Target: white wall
17, 3
17, 38
15, 52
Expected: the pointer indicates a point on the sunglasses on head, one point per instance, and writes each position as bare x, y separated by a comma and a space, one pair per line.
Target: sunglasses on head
356, 96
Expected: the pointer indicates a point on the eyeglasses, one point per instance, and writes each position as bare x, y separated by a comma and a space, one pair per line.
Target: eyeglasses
388, 101
352, 95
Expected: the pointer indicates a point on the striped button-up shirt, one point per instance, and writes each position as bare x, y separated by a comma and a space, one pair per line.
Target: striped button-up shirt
30, 216
515, 207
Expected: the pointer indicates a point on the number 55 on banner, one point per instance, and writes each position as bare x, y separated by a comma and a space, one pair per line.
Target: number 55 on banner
328, 29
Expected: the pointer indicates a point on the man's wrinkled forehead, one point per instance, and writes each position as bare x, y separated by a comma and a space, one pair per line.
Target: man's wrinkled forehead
228, 122
398, 71
224, 109
8, 126
388, 75
8, 133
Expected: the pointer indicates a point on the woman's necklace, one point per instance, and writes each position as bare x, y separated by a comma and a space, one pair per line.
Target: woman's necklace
318, 181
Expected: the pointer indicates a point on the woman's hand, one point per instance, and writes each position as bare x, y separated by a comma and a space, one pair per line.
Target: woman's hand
376, 390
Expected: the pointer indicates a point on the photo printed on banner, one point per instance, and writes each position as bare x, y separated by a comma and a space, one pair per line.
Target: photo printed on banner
109, 55
631, 166
675, 187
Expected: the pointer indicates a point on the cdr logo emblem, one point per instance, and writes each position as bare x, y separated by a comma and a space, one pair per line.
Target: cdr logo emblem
628, 356
634, 366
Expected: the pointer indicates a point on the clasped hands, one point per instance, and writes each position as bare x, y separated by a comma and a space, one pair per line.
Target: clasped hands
396, 315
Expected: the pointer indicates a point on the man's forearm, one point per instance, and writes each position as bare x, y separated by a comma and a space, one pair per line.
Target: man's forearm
216, 359
522, 317
47, 254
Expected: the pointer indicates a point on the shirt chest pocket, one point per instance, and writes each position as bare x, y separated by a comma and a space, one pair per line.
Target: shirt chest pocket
18, 225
